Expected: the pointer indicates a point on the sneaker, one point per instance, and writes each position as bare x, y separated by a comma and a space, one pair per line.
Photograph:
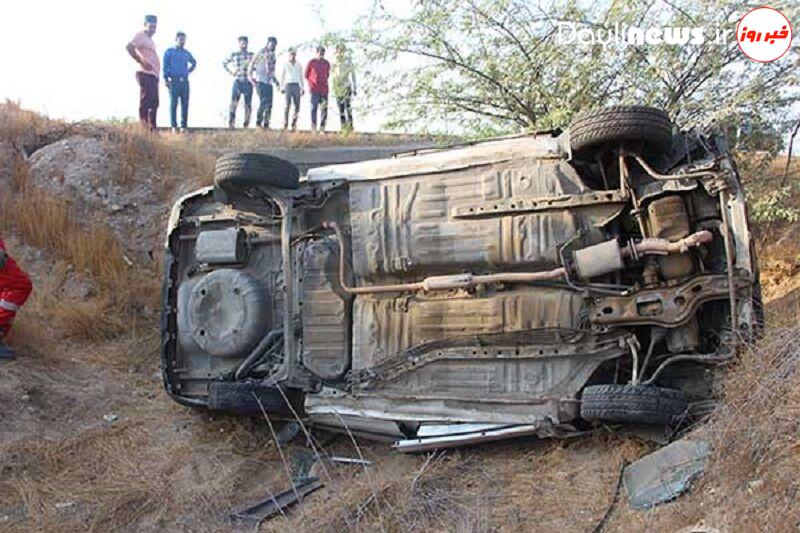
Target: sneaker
174, 130
6, 353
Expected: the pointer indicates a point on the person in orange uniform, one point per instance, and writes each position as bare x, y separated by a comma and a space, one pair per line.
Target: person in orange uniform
15, 287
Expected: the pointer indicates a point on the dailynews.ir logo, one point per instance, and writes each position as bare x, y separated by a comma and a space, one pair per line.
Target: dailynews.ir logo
764, 34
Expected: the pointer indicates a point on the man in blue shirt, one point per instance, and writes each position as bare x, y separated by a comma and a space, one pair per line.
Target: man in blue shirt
178, 64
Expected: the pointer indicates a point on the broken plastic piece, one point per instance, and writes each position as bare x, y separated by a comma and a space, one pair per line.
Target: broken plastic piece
666, 473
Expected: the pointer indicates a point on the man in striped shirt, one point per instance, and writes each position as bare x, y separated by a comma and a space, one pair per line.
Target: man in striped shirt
15, 287
240, 61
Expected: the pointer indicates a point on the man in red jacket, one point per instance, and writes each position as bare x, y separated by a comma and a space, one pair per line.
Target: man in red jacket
317, 72
15, 287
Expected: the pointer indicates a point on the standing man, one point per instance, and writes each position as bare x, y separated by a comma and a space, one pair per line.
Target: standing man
344, 86
15, 287
143, 50
317, 72
241, 85
178, 64
292, 86
262, 76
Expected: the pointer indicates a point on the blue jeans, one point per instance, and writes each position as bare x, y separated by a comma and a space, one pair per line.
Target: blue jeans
264, 111
319, 100
292, 98
241, 88
179, 91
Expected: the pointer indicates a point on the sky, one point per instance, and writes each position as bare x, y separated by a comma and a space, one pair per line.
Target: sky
67, 58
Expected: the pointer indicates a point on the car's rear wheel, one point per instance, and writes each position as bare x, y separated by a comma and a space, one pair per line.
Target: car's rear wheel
640, 128
237, 171
633, 404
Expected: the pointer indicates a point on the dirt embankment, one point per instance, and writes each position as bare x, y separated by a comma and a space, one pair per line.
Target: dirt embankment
88, 439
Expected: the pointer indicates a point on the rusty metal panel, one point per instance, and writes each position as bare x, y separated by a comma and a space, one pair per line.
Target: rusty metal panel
409, 226
325, 312
384, 326
495, 381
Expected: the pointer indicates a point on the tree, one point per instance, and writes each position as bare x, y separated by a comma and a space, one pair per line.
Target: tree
492, 66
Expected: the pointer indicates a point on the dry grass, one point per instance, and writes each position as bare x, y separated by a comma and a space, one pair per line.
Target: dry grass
48, 222
756, 436
413, 494
137, 474
27, 130
174, 160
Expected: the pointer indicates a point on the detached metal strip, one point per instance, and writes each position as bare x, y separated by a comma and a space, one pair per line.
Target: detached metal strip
275, 504
9, 306
729, 252
435, 443
444, 430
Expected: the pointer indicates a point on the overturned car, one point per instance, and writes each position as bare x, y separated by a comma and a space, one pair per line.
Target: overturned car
528, 285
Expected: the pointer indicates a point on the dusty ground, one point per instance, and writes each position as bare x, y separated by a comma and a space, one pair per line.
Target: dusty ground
89, 440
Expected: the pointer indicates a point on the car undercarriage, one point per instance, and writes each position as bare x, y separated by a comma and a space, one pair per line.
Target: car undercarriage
530, 285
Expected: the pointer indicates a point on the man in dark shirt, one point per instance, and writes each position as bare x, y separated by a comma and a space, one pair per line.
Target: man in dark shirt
178, 64
240, 61
317, 72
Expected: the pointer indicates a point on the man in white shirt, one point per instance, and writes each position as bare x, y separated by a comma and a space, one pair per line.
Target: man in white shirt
292, 87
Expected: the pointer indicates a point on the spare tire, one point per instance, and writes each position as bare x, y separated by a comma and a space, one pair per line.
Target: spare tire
236, 171
639, 126
633, 404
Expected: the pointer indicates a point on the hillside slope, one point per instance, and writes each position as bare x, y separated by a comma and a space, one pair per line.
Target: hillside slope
89, 440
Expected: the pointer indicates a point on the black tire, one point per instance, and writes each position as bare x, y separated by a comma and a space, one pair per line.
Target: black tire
633, 404
640, 127
249, 397
236, 171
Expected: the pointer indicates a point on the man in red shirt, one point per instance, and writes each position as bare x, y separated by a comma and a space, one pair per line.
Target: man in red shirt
15, 287
317, 72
